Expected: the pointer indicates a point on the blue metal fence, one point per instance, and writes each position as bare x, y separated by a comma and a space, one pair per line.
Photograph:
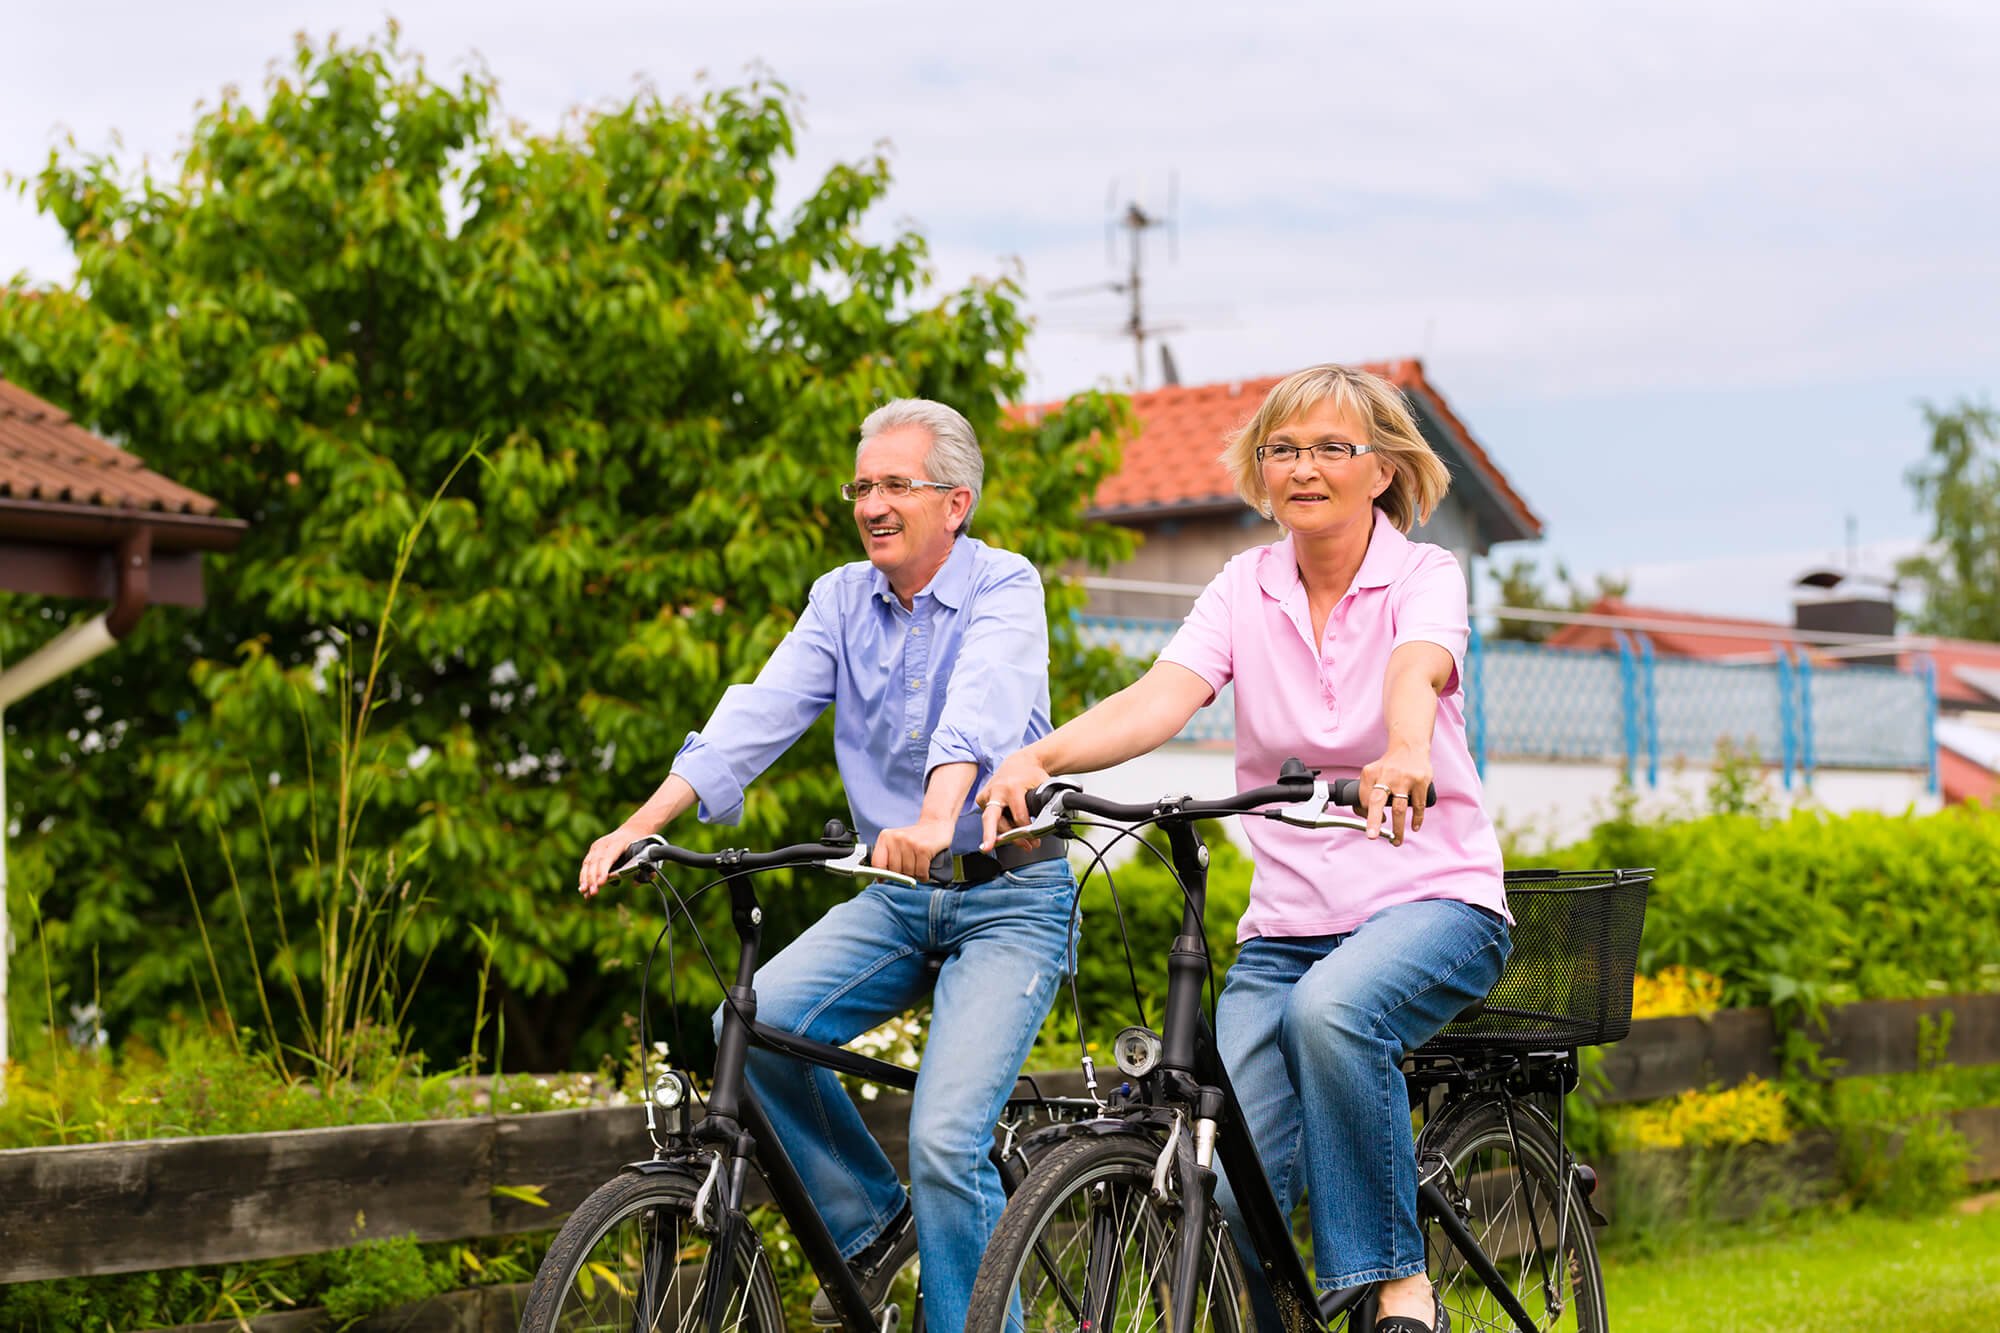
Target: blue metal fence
1633, 708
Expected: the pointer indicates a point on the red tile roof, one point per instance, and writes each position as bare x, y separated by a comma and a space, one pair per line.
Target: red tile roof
1172, 460
1677, 642
44, 456
1962, 779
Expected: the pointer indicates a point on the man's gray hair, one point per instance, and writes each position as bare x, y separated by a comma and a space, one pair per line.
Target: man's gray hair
954, 456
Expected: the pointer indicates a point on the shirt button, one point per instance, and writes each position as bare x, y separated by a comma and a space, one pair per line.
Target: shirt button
916, 629
917, 684
914, 733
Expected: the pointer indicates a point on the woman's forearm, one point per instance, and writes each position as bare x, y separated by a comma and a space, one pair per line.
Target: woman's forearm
1417, 672
1137, 720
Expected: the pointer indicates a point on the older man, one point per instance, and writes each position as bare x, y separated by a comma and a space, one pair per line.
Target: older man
934, 654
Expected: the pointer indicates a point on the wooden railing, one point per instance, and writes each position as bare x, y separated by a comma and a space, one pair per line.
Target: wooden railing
169, 1203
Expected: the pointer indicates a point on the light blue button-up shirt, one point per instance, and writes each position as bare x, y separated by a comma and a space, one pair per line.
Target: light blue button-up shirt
960, 677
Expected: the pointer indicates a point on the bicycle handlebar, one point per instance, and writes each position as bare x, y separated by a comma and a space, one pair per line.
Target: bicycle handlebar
839, 852
1048, 806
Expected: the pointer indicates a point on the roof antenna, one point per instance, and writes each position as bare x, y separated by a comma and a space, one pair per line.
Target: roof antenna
1135, 220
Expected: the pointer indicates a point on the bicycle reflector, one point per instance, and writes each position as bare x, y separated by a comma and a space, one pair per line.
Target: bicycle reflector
1136, 1050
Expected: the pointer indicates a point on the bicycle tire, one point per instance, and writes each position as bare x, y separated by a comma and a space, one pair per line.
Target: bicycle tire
1085, 1222
1506, 1185
595, 1275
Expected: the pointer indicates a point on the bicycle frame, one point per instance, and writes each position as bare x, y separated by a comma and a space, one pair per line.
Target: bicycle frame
740, 1131
1190, 1075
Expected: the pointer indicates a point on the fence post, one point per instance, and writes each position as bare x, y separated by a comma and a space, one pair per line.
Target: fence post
1927, 667
1475, 698
1628, 679
1652, 712
1784, 659
1806, 757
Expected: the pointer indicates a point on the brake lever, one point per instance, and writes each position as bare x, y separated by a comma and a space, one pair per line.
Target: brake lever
638, 861
1312, 812
1041, 826
855, 865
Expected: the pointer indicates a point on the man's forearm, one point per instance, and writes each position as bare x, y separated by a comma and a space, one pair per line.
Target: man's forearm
672, 800
945, 791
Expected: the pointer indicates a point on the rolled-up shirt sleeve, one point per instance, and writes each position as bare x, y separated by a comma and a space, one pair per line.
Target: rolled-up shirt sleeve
1000, 677
1429, 606
755, 723
1203, 643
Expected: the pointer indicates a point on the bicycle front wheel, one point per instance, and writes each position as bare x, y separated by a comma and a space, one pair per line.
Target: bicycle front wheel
631, 1257
1511, 1187
1082, 1245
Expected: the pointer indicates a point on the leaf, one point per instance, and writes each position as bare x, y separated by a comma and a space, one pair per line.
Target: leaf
531, 1194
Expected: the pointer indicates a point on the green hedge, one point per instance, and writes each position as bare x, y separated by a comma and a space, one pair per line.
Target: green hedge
1797, 912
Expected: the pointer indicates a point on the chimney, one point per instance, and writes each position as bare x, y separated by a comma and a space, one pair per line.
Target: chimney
1863, 608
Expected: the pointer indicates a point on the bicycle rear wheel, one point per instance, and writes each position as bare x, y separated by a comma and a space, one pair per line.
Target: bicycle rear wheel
631, 1257
1511, 1189
1082, 1245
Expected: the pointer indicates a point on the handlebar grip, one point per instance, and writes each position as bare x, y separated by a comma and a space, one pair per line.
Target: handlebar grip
630, 854
943, 871
1347, 792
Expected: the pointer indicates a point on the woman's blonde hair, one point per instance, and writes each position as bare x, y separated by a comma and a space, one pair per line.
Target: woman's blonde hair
1420, 478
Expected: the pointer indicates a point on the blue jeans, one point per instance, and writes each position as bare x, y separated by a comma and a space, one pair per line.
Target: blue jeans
1006, 943
1313, 1031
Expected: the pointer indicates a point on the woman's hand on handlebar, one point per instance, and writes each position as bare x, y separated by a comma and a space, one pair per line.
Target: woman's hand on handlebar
1003, 801
1386, 787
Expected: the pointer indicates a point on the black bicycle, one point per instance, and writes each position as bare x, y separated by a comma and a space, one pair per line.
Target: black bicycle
1116, 1226
667, 1244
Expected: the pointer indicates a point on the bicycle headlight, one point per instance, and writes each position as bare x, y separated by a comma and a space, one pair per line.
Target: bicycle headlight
1137, 1051
669, 1090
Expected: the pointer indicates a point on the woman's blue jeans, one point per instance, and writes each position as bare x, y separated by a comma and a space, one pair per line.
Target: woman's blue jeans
1313, 1031
1006, 945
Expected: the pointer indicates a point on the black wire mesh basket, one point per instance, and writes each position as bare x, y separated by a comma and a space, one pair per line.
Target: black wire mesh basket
1569, 980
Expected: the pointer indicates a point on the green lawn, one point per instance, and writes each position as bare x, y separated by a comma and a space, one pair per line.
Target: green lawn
1925, 1275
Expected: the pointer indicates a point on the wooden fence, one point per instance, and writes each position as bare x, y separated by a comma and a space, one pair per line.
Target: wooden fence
168, 1203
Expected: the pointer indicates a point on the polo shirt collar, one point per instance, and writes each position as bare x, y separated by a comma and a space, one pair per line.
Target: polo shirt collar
1386, 551
1278, 570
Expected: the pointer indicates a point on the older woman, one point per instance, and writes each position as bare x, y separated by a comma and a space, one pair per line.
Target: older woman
1345, 642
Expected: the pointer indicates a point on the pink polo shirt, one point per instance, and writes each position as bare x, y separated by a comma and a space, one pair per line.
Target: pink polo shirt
1324, 704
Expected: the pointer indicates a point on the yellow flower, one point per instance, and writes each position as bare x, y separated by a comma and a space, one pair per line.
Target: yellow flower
1674, 991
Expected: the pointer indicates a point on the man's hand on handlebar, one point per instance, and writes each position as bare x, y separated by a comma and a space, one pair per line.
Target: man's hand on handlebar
1003, 801
604, 854
910, 851
1386, 792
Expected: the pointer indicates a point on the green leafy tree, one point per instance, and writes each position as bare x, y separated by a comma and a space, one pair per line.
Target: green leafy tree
340, 293
1959, 483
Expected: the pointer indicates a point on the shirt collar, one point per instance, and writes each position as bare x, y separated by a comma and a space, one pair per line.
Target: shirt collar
1278, 570
949, 585
1386, 550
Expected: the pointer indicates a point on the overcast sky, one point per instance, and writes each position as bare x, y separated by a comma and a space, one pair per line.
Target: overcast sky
1685, 270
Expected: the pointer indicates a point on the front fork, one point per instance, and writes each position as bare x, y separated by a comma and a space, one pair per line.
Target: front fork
1191, 1160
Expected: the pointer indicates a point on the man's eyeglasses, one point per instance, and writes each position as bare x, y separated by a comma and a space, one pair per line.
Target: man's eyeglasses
1333, 451
893, 487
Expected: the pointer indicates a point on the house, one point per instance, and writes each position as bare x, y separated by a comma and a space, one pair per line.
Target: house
81, 518
1171, 490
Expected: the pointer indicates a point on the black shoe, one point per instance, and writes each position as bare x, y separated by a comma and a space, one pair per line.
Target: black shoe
1441, 1321
874, 1269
